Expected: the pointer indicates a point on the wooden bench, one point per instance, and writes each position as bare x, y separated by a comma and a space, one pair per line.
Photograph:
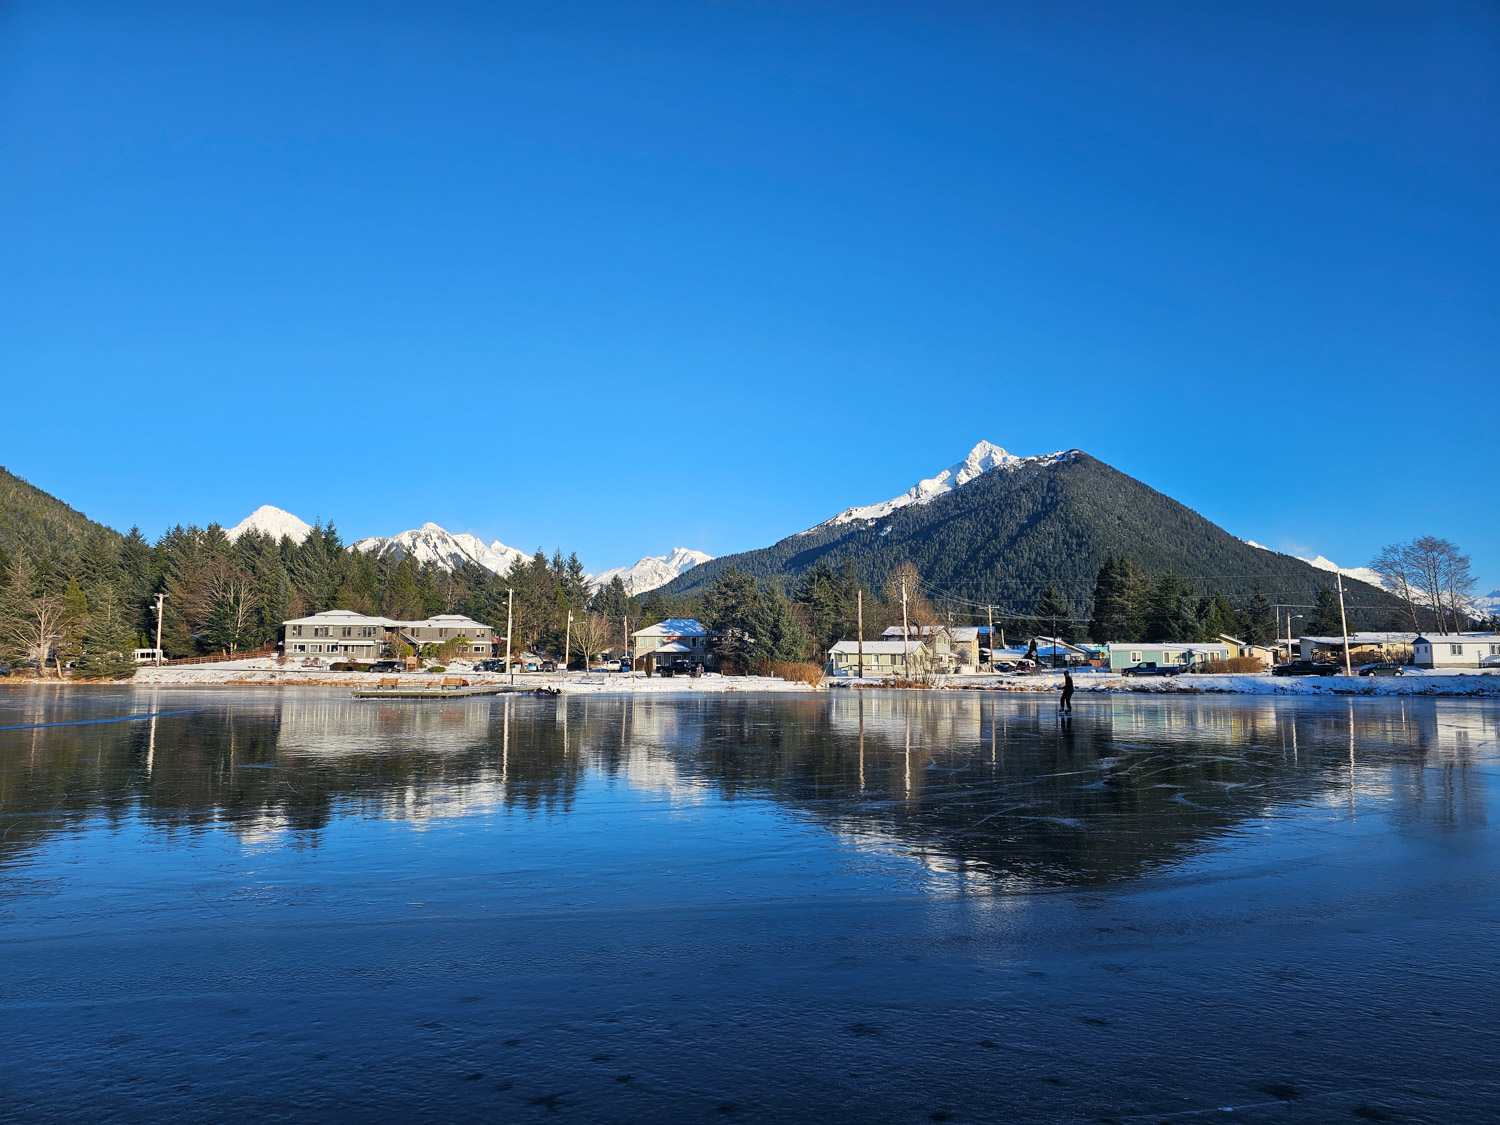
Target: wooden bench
453, 681
389, 681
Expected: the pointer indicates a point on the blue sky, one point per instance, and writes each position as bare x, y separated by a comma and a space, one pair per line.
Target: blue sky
620, 277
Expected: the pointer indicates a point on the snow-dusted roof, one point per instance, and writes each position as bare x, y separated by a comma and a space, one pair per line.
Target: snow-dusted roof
1364, 639
890, 647
1163, 646
960, 633
445, 621
671, 646
339, 617
1455, 638
673, 627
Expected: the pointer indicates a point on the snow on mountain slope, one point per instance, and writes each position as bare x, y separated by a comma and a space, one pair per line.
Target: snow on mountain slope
652, 571
433, 544
981, 459
271, 521
1361, 573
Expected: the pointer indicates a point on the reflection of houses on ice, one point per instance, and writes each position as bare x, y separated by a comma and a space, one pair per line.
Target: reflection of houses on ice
332, 725
940, 720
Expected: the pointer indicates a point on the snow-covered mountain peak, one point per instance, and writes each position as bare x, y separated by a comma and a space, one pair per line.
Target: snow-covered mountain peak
432, 543
273, 521
984, 457
1360, 573
653, 570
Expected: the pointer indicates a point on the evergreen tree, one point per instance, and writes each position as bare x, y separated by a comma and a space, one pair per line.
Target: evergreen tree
1054, 614
1217, 617
730, 611
1169, 612
654, 608
1325, 621
777, 636
75, 623
828, 601
402, 601
108, 644
1118, 602
1260, 619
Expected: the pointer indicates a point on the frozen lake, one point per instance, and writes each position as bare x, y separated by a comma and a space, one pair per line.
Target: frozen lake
872, 906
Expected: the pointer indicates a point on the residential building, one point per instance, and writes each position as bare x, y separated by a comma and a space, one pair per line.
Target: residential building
480, 640
954, 648
1127, 654
881, 658
1266, 654
337, 634
1364, 648
1456, 650
342, 634
678, 642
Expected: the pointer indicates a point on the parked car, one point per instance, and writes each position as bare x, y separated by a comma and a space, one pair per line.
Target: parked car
1384, 668
490, 666
1305, 668
549, 666
388, 666
1151, 668
624, 665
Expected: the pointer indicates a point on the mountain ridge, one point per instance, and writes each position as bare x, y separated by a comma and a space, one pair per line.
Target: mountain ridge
1000, 537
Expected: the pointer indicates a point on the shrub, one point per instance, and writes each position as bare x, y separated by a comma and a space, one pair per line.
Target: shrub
803, 673
1235, 665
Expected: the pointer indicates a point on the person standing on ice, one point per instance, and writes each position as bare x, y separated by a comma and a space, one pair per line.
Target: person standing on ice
1066, 702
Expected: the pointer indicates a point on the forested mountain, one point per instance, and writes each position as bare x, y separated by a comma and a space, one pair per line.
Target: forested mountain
1007, 534
56, 536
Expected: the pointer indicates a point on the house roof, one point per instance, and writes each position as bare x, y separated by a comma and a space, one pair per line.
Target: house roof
339, 617
1163, 646
888, 647
1456, 638
960, 633
671, 646
673, 627
1364, 639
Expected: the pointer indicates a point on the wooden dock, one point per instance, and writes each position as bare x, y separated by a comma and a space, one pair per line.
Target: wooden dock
449, 688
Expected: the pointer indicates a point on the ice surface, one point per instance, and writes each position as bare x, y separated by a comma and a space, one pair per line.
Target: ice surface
861, 906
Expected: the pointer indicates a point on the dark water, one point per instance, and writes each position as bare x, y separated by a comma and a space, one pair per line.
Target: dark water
871, 907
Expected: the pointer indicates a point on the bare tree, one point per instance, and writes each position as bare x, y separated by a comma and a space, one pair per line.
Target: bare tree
1398, 571
1431, 570
31, 618
591, 632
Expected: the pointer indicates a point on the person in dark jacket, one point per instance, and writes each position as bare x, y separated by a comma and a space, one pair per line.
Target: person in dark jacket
1066, 703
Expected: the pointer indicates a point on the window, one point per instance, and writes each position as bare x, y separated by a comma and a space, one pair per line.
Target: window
315, 648
348, 632
1495, 650
1135, 658
299, 648
1456, 650
297, 631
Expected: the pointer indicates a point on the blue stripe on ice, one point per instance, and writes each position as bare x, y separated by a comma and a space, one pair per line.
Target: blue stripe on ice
91, 722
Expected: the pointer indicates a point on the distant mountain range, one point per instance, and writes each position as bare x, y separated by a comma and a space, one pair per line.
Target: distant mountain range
435, 545
996, 529
653, 571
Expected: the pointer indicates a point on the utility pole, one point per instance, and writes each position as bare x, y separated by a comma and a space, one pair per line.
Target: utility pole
1344, 621
510, 605
859, 601
159, 599
905, 634
625, 639
992, 637
568, 645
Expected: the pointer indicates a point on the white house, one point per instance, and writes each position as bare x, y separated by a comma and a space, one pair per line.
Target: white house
677, 641
881, 658
954, 648
1456, 650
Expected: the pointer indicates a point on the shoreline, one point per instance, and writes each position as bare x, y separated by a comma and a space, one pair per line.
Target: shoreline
1475, 684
